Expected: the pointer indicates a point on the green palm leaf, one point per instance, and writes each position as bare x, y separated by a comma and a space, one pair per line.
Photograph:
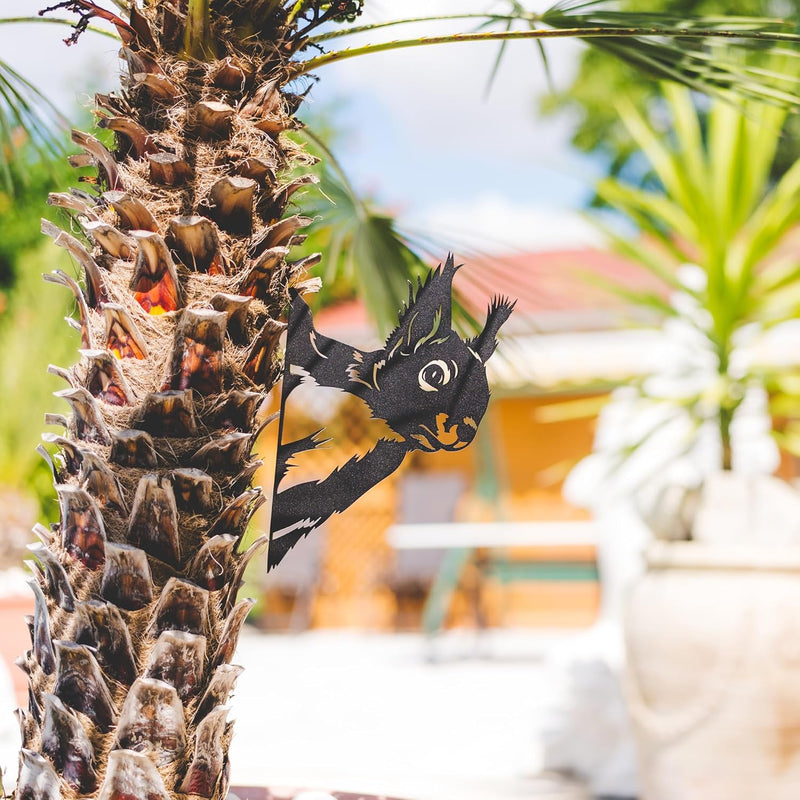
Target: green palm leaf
26, 117
676, 47
685, 49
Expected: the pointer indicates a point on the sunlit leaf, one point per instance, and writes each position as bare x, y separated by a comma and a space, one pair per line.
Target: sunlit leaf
680, 51
26, 117
665, 46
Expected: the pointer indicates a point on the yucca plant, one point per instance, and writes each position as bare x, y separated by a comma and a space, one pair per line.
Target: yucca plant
183, 233
719, 236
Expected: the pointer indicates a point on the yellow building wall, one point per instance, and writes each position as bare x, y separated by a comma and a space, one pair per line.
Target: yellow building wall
531, 457
527, 458
530, 454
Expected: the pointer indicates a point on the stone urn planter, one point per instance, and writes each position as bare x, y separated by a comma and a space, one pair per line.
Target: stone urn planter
713, 641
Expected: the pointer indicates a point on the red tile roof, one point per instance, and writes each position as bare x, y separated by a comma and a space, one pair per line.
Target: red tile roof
548, 285
554, 281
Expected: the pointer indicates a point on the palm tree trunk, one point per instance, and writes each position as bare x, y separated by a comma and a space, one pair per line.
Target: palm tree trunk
184, 239
184, 235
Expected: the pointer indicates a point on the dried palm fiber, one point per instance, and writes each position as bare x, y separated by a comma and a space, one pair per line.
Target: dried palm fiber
184, 239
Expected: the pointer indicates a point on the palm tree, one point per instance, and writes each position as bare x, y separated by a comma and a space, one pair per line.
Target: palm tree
184, 239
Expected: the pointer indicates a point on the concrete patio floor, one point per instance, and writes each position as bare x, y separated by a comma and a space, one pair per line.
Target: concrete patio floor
371, 713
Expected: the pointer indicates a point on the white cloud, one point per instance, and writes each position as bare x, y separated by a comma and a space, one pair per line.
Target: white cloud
493, 224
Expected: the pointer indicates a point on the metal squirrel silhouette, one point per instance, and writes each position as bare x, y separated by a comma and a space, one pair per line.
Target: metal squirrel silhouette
426, 383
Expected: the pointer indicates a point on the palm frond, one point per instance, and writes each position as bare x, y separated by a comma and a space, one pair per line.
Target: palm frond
26, 114
496, 64
643, 299
686, 49
26, 117
517, 13
337, 33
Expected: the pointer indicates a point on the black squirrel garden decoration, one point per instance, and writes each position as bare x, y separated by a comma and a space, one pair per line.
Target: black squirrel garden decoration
427, 383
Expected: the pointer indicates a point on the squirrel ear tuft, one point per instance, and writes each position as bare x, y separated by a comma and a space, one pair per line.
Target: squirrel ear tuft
485, 343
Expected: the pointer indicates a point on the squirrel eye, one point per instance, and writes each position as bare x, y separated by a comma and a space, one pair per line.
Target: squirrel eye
433, 376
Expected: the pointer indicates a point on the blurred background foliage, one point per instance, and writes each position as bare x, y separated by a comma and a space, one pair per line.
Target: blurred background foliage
602, 80
22, 194
33, 334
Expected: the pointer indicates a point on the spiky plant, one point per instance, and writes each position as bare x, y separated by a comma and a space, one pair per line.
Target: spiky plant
184, 239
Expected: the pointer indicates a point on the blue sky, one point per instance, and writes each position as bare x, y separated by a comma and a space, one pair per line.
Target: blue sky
423, 136
418, 131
